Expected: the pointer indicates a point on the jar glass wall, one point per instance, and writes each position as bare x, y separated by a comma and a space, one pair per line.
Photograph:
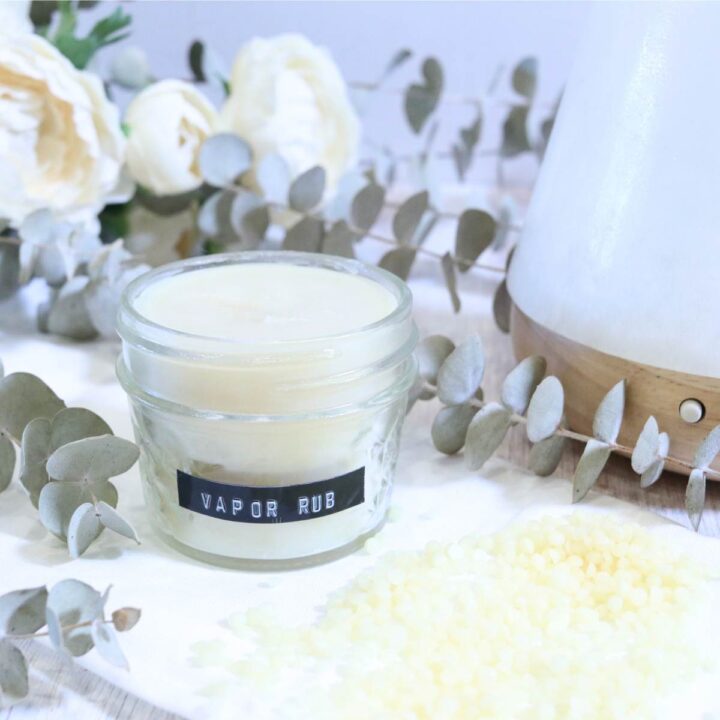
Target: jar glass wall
268, 452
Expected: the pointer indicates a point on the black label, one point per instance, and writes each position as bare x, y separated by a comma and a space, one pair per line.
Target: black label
241, 503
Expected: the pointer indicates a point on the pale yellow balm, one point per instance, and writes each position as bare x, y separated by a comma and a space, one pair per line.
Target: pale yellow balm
265, 302
586, 618
268, 392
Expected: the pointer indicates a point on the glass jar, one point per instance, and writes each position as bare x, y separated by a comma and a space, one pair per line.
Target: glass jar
268, 453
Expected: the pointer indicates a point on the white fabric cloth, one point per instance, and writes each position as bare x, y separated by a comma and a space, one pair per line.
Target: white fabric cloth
184, 601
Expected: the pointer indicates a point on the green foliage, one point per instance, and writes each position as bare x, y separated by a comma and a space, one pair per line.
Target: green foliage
105, 32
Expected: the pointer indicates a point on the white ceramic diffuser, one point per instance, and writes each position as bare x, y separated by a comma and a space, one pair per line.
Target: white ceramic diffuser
616, 272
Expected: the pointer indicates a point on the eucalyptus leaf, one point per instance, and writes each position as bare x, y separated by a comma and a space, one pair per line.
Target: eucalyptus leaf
367, 205
474, 235
164, 205
195, 60
431, 353
24, 397
398, 59
130, 68
83, 529
249, 218
254, 226
340, 240
524, 77
399, 261
591, 464
463, 150
223, 159
55, 632
306, 235
59, 500
546, 455
422, 99
37, 232
450, 427
273, 176
545, 410
42, 437
460, 376
124, 619
653, 472
695, 496
112, 520
75, 423
7, 461
68, 316
75, 602
447, 263
609, 414
408, 217
206, 66
34, 455
23, 611
646, 448
485, 433
207, 219
708, 449
107, 645
92, 459
13, 672
521, 382
502, 305
9, 270
306, 191
515, 135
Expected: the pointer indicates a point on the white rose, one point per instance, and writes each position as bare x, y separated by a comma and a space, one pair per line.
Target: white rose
15, 17
61, 146
288, 97
167, 124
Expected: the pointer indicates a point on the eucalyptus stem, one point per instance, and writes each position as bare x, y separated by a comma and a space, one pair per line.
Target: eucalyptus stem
581, 437
459, 262
448, 98
441, 154
445, 215
63, 629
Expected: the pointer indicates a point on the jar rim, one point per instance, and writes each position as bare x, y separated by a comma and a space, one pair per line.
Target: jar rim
134, 327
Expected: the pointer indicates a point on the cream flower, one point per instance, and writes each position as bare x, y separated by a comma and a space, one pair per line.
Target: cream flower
288, 97
15, 17
61, 146
167, 124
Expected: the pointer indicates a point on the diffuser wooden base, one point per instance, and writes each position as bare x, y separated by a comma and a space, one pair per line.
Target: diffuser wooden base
587, 374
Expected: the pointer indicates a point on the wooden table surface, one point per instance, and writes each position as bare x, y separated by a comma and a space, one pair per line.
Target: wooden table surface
63, 690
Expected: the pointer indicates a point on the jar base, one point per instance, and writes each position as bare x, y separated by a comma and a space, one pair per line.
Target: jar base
269, 565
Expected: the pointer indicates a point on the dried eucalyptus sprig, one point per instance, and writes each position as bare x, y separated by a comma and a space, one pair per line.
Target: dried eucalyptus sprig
234, 217
71, 614
454, 375
86, 277
67, 458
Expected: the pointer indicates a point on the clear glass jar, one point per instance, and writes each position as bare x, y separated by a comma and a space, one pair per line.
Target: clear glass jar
268, 454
